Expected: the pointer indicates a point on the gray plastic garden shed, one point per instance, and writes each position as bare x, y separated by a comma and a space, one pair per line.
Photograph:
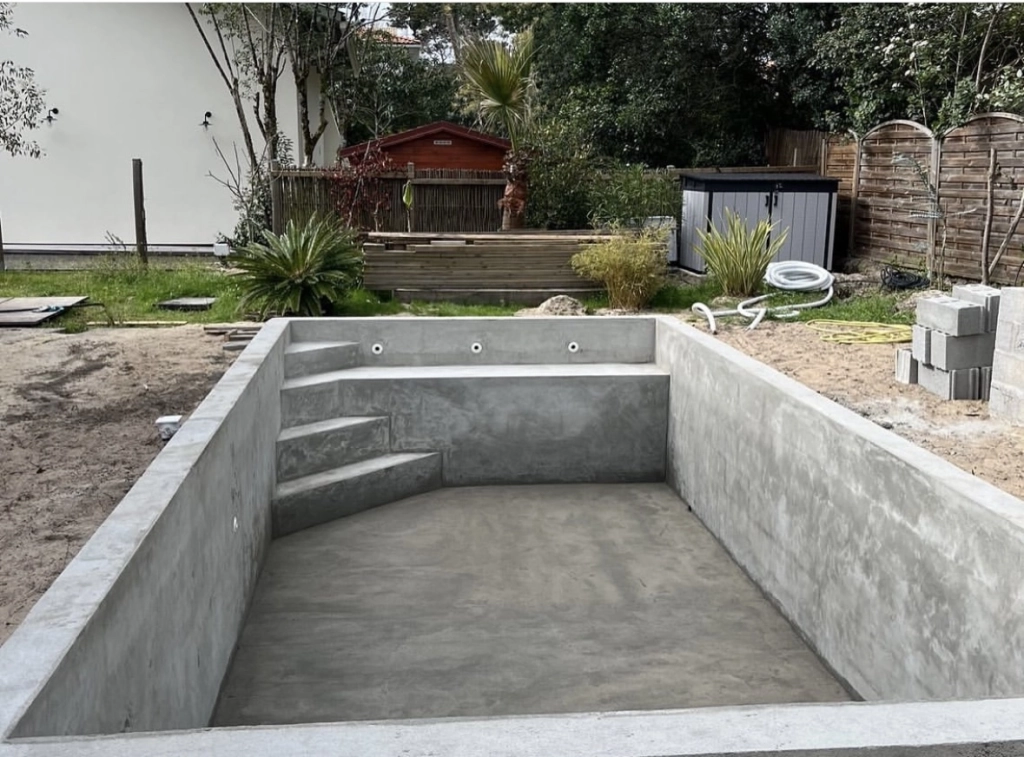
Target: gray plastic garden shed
803, 203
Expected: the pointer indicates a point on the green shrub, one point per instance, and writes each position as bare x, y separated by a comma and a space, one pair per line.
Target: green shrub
738, 258
631, 267
625, 195
301, 271
562, 173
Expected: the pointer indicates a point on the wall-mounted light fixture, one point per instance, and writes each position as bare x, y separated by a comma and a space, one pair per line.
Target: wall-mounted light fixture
206, 120
52, 115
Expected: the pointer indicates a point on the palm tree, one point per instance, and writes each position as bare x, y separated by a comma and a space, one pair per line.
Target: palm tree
498, 81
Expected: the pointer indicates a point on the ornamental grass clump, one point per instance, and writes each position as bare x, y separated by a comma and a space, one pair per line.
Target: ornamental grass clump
305, 271
630, 266
739, 257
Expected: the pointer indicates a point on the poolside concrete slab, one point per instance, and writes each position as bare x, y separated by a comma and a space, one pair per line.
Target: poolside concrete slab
484, 601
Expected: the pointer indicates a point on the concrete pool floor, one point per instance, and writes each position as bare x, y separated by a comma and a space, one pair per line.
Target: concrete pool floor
483, 601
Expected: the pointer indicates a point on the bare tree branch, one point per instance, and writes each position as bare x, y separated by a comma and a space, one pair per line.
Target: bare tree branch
997, 9
231, 82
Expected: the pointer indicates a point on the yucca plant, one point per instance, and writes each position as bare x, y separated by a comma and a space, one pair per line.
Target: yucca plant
739, 257
631, 266
301, 271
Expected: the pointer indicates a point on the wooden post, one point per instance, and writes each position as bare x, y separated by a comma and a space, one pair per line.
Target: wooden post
410, 175
823, 158
854, 187
276, 200
933, 177
141, 244
986, 234
3, 265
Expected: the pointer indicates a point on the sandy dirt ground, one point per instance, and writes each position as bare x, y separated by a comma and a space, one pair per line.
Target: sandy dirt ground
862, 378
77, 415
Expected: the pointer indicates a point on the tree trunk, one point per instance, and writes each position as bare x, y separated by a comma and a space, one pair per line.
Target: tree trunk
513, 204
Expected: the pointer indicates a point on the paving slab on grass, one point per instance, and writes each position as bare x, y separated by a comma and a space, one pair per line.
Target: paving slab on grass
31, 311
484, 601
187, 303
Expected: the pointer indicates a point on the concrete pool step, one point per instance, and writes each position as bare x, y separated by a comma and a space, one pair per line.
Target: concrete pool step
308, 358
350, 489
317, 447
384, 390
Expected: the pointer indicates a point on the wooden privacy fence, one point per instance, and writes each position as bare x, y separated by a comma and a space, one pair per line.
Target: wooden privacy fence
912, 197
512, 267
442, 199
792, 147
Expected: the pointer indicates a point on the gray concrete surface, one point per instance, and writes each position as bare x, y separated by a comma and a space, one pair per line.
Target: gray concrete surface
954, 352
320, 446
488, 601
307, 358
449, 341
137, 632
506, 424
350, 489
1006, 398
951, 316
981, 294
902, 570
990, 728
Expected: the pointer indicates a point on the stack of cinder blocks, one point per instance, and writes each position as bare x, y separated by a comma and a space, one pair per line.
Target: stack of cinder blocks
953, 344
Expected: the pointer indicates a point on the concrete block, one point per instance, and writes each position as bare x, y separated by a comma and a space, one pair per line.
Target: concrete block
951, 316
1011, 303
952, 352
1006, 403
981, 294
960, 384
921, 344
1009, 336
1006, 395
906, 367
986, 382
316, 499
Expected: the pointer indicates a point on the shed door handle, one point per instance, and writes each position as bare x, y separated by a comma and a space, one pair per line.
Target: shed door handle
775, 202
768, 200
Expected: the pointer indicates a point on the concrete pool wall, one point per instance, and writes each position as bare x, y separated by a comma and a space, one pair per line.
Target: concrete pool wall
903, 571
900, 569
138, 630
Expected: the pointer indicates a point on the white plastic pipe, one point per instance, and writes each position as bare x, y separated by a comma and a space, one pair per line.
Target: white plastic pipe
788, 275
798, 276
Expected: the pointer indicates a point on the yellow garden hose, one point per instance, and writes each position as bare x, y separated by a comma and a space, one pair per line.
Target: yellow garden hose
861, 332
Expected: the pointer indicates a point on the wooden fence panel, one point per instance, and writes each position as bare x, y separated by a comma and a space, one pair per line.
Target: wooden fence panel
839, 163
792, 147
963, 177
443, 200
892, 201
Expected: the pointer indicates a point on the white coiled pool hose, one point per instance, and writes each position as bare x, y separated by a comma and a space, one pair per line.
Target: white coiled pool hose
798, 276
788, 275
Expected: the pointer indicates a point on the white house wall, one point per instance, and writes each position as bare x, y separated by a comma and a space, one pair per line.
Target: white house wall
131, 80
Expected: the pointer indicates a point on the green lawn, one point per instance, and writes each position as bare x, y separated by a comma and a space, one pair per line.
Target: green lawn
879, 307
130, 293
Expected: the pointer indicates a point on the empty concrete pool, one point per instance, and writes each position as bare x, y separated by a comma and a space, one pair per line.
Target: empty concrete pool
418, 537
483, 601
